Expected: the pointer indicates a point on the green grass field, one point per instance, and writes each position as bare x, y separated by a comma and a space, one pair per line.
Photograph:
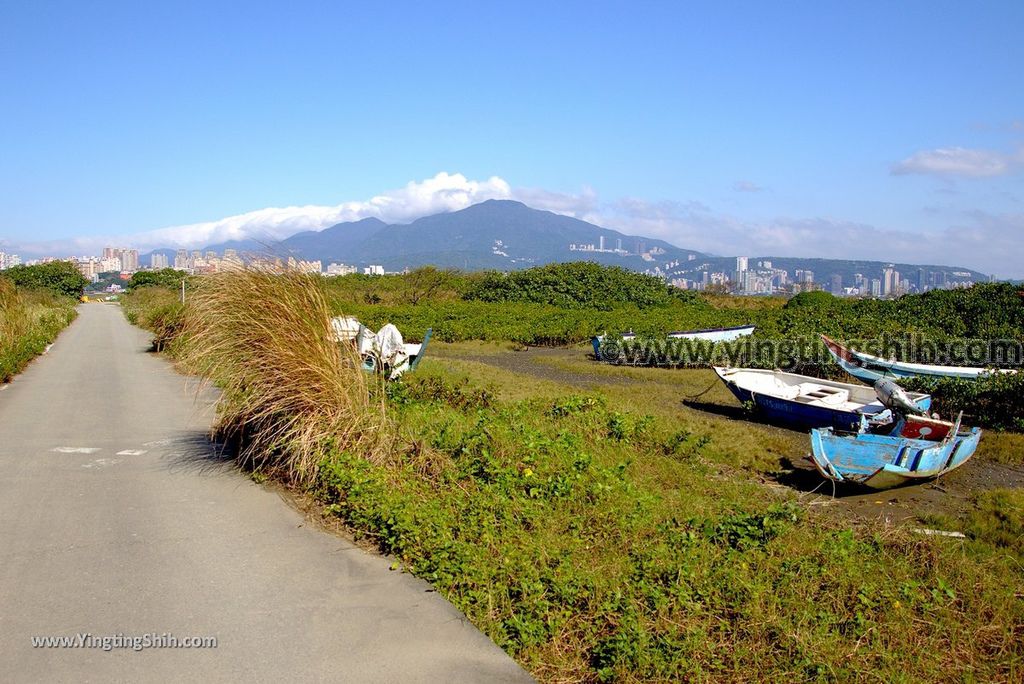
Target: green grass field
612, 533
609, 523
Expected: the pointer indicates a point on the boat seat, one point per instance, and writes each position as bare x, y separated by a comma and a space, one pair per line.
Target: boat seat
784, 391
826, 395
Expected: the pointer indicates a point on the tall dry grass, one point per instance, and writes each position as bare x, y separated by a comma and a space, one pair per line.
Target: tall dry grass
289, 392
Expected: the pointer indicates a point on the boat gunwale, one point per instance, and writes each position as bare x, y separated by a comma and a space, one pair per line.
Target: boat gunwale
713, 330
837, 384
877, 364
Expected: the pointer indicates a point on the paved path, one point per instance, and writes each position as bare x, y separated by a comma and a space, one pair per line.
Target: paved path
116, 517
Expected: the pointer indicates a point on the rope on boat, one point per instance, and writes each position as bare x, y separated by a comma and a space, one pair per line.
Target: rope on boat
701, 394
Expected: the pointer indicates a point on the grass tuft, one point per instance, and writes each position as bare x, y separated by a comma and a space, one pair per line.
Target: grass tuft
290, 394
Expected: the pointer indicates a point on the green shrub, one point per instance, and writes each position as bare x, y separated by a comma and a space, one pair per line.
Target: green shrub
578, 285
167, 277
58, 277
995, 400
29, 322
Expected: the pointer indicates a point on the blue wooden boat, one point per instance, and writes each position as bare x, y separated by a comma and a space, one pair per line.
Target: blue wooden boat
806, 402
871, 368
881, 461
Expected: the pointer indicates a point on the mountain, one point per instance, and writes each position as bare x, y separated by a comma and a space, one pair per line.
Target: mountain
500, 234
337, 243
507, 235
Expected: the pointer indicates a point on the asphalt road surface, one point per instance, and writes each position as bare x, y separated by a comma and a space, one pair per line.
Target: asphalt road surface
119, 521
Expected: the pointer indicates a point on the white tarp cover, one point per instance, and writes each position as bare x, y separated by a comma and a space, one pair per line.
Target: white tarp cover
386, 345
389, 346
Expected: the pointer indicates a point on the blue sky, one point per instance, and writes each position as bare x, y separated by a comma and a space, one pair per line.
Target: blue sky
891, 130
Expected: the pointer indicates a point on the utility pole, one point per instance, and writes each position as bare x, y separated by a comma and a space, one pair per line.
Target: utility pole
182, 290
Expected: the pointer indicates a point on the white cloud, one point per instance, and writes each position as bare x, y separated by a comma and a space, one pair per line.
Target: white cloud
959, 161
746, 186
579, 206
444, 192
979, 240
987, 242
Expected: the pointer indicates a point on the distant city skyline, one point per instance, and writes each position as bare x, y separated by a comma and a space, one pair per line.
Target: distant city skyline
866, 131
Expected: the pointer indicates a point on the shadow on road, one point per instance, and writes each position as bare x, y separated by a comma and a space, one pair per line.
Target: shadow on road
197, 453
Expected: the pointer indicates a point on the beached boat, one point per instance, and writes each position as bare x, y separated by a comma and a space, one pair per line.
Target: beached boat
871, 368
708, 334
807, 402
714, 334
881, 461
382, 352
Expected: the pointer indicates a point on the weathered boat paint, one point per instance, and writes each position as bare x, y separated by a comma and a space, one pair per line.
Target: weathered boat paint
884, 461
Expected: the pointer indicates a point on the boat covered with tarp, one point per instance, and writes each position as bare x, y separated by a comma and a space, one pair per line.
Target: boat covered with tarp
385, 351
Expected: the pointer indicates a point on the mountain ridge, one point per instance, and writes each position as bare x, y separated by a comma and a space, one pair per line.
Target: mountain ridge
509, 235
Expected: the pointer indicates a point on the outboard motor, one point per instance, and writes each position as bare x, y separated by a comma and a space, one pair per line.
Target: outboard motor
894, 397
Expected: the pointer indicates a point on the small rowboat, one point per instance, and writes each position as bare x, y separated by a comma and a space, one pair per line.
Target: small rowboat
708, 334
808, 402
871, 368
881, 461
714, 334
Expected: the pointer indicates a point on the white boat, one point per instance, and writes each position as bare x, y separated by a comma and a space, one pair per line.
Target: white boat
810, 402
714, 334
709, 335
871, 368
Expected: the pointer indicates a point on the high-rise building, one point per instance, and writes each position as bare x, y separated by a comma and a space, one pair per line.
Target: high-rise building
741, 263
181, 261
890, 281
89, 268
837, 284
876, 287
158, 260
129, 260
